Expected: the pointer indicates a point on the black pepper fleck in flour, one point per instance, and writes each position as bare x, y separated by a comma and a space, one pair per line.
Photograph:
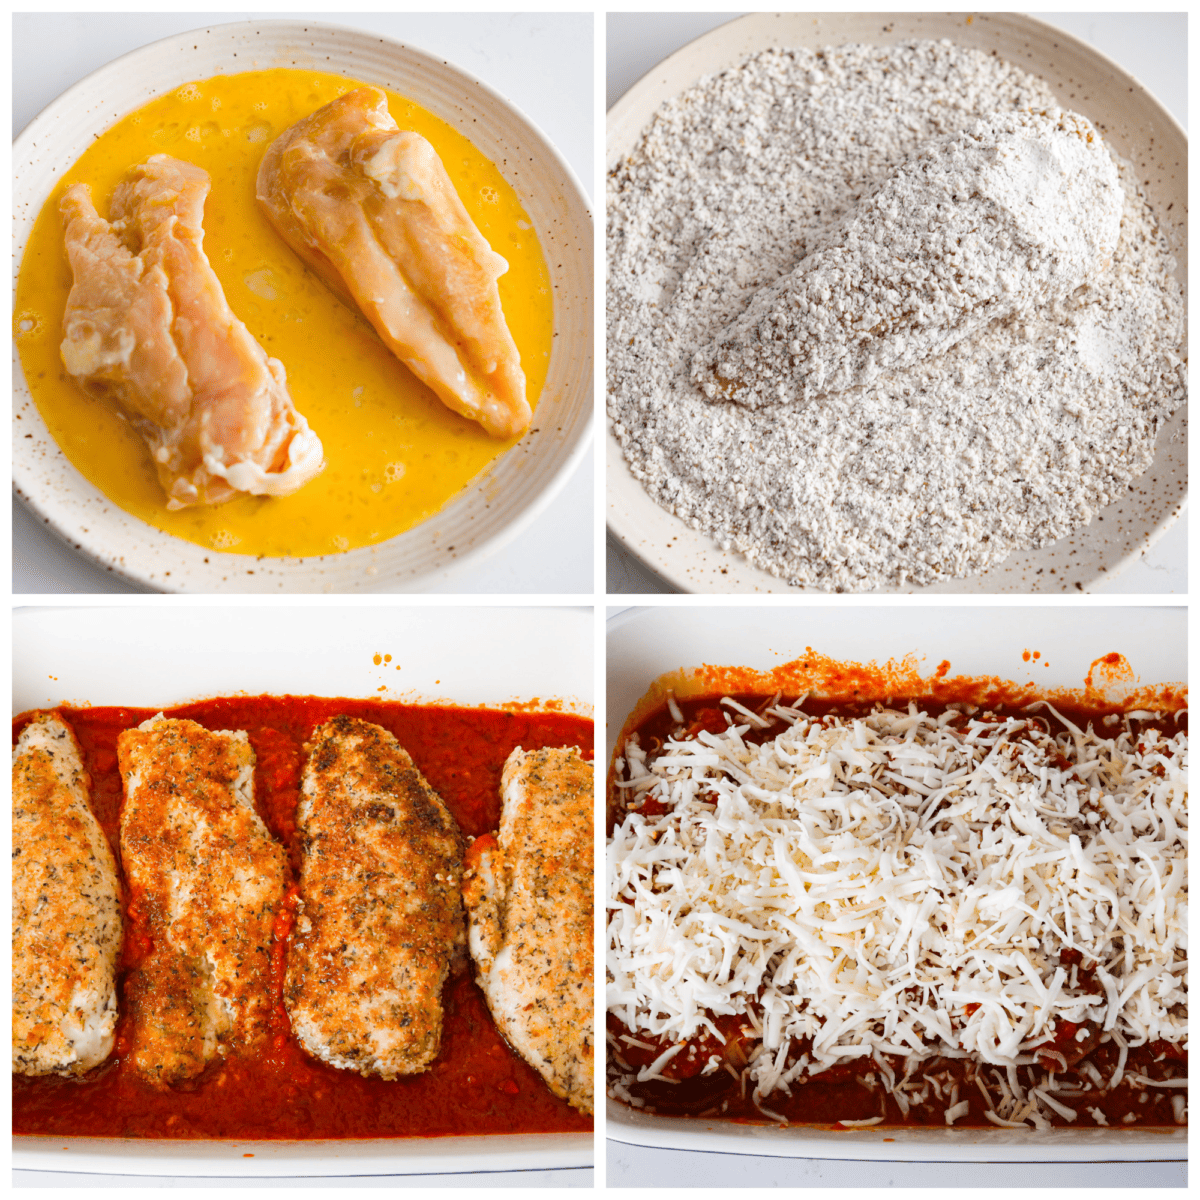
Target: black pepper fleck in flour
1010, 439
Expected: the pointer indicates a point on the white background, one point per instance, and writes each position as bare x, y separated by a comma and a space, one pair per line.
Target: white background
543, 63
1152, 47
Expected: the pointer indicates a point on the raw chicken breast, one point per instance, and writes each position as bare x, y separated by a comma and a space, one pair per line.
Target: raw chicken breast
1002, 219
381, 921
66, 909
147, 324
206, 883
371, 209
529, 898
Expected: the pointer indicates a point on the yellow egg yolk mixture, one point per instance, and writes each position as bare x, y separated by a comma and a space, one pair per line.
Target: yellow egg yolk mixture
394, 453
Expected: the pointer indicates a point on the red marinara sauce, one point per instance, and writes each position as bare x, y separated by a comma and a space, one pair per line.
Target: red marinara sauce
837, 1095
477, 1085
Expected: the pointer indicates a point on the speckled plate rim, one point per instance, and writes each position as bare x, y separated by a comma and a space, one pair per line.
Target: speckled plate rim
690, 560
492, 510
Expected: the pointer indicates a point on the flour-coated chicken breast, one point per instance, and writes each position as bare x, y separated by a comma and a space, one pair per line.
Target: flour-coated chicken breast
529, 898
66, 909
992, 223
381, 924
206, 883
148, 325
370, 208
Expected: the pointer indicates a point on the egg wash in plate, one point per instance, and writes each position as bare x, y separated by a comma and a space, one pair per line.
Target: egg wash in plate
394, 453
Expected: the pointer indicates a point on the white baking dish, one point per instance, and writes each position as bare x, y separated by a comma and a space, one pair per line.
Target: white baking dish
644, 643
158, 656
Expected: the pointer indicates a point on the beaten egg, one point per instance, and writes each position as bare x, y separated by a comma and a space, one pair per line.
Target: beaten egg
394, 454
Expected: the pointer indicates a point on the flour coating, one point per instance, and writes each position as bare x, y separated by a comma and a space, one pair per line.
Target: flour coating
991, 222
922, 467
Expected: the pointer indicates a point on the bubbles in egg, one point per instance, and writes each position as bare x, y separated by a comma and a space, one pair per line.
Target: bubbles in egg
262, 283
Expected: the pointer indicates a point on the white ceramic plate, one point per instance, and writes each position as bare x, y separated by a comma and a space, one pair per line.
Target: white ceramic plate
644, 643
504, 499
150, 656
1134, 123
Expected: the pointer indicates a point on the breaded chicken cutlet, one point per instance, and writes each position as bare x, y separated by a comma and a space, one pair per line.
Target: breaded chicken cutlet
529, 895
66, 909
206, 882
381, 925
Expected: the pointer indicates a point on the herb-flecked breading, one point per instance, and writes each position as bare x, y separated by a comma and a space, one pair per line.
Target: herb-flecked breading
206, 882
66, 909
381, 922
530, 900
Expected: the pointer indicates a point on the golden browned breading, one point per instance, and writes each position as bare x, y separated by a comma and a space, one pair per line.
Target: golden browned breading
381, 925
66, 909
206, 882
529, 896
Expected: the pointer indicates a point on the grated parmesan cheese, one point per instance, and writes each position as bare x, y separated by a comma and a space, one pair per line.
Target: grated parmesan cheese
905, 884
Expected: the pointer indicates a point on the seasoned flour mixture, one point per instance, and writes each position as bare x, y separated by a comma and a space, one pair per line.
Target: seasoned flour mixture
848, 443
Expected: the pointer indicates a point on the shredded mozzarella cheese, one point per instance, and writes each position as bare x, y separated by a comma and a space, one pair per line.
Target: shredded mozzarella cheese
904, 884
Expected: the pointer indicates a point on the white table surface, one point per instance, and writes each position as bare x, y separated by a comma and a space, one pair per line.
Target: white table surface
542, 62
633, 1166
637, 1166
474, 1179
1151, 46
